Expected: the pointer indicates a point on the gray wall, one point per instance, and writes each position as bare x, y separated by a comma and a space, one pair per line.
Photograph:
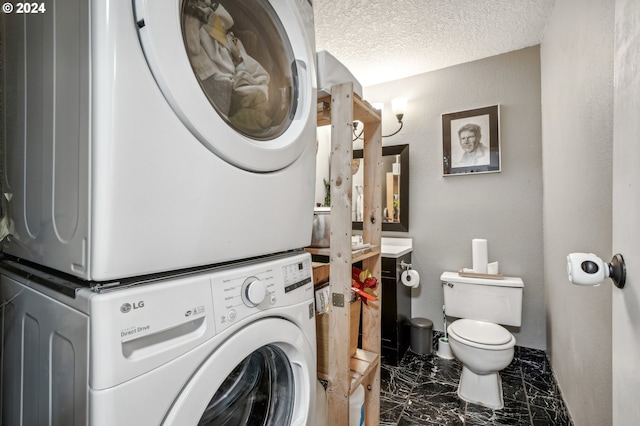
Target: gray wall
446, 213
577, 96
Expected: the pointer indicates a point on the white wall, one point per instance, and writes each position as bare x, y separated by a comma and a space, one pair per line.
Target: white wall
446, 213
626, 210
577, 84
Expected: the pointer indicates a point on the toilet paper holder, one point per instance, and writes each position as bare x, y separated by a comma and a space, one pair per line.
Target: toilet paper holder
404, 265
409, 277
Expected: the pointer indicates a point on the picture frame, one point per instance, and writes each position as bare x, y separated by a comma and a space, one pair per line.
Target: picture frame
471, 141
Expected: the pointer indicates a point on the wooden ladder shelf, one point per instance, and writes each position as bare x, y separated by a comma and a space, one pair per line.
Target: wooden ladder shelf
346, 373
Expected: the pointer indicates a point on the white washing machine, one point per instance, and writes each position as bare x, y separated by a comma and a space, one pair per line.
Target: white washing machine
146, 136
226, 346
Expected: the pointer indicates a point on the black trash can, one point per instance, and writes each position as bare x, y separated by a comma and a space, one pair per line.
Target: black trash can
421, 336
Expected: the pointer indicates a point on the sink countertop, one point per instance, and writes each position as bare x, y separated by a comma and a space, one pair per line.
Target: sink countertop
396, 247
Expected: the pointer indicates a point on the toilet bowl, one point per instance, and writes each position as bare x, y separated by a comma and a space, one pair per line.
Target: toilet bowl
480, 307
484, 349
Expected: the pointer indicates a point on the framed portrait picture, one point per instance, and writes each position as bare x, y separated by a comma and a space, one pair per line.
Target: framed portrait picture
471, 141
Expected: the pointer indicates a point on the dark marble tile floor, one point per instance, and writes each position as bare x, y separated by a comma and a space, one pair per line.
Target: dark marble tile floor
422, 390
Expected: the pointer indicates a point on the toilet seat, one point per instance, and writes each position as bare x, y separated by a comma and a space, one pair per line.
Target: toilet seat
481, 334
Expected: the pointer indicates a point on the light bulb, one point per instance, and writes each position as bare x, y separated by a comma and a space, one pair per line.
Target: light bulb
399, 106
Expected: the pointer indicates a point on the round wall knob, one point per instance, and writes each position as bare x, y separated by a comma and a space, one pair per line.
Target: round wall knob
254, 292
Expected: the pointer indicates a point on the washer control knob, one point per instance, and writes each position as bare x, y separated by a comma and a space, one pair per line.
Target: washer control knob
254, 291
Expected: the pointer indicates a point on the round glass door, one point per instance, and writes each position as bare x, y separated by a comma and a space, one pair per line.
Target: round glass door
262, 374
238, 74
241, 57
259, 391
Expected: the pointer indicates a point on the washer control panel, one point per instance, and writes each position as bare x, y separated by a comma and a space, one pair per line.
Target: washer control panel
253, 292
248, 289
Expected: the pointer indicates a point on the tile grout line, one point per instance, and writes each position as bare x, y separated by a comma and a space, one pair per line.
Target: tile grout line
526, 396
408, 398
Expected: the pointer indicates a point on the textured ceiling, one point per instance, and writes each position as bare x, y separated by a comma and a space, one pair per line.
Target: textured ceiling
382, 40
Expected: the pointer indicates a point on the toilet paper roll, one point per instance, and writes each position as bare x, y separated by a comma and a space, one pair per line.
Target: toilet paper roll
410, 278
479, 255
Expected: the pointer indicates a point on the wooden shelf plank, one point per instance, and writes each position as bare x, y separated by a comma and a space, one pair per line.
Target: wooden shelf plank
320, 272
356, 255
340, 110
340, 251
318, 251
361, 365
360, 255
362, 111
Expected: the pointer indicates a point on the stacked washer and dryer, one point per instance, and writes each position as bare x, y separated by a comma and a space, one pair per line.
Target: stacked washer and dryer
158, 184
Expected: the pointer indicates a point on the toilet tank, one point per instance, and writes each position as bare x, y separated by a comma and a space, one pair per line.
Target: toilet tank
496, 301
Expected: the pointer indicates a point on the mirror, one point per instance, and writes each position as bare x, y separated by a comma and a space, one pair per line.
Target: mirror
394, 178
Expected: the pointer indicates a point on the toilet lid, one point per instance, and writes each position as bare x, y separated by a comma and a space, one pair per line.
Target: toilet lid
481, 332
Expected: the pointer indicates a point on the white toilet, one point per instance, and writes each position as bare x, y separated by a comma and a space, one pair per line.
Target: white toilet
477, 340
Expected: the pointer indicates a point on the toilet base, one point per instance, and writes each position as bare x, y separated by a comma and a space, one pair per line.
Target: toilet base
485, 389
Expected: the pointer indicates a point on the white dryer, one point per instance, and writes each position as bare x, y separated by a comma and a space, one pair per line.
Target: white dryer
146, 136
227, 346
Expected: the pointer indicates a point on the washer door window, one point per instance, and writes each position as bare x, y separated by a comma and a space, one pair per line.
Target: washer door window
258, 391
231, 73
263, 374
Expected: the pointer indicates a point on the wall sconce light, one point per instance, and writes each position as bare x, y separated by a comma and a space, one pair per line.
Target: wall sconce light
398, 107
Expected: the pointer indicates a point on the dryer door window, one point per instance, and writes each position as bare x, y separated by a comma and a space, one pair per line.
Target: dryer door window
238, 74
257, 392
242, 60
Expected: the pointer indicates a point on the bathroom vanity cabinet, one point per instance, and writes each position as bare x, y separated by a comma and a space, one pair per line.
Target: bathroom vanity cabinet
396, 309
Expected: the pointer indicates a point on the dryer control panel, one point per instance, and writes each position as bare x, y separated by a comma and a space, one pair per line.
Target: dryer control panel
244, 291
